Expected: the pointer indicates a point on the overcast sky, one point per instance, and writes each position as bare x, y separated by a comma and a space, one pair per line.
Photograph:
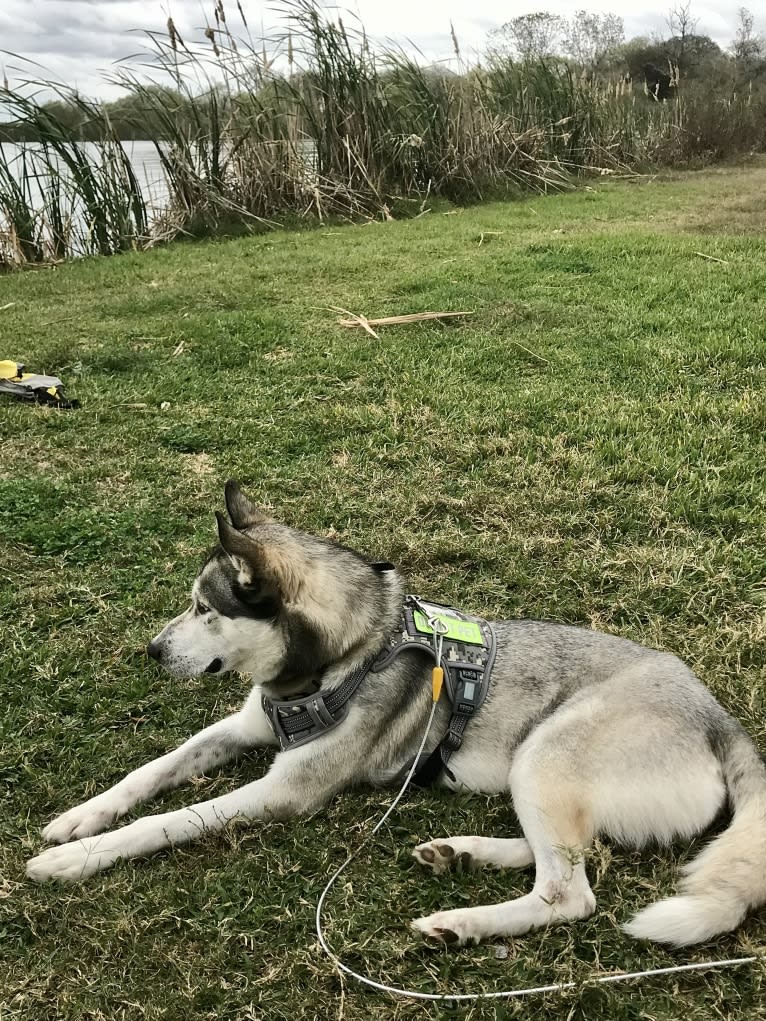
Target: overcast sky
79, 41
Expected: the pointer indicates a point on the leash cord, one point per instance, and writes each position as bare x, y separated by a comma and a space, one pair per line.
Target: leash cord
506, 994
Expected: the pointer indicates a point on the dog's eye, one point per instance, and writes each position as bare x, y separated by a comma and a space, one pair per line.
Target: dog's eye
202, 609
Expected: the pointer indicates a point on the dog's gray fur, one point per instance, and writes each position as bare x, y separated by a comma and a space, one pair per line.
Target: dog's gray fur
592, 734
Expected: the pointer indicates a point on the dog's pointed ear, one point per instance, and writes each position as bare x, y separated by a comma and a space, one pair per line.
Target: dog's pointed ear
243, 513
260, 563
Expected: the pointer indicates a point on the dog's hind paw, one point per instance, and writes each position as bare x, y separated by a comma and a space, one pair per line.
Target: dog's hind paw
440, 856
469, 853
452, 928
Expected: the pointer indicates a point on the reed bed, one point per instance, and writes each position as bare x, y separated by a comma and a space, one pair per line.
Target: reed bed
319, 124
62, 197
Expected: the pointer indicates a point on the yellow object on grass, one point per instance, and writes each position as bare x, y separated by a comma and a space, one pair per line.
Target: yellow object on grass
31, 386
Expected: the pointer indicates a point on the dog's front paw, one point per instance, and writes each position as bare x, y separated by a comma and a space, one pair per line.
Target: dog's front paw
77, 860
455, 928
84, 820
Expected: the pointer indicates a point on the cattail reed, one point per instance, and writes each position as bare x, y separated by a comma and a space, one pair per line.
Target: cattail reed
345, 130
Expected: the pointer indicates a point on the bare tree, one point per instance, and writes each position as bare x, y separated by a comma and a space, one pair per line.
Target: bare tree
529, 36
748, 49
590, 37
681, 25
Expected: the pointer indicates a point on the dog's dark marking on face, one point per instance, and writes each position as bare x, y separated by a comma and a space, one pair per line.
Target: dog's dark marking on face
220, 588
309, 648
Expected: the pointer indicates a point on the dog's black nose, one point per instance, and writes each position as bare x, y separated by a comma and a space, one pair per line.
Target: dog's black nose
154, 650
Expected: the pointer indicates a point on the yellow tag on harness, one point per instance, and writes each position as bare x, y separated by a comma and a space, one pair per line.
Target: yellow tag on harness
437, 679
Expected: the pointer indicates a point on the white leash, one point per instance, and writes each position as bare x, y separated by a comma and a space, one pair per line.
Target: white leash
505, 994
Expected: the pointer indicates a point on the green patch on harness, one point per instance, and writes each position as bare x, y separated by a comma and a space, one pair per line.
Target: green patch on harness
467, 631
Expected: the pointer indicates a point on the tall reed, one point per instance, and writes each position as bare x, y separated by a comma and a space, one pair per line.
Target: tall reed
89, 201
318, 123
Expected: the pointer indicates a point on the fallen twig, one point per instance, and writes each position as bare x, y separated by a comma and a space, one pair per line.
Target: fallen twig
712, 258
530, 352
55, 322
414, 317
355, 320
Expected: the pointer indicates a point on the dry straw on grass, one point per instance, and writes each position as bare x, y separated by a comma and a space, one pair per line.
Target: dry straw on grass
415, 317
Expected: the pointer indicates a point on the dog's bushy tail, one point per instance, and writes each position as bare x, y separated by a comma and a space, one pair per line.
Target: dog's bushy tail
729, 878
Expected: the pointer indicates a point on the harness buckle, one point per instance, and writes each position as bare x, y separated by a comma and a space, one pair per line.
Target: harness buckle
453, 739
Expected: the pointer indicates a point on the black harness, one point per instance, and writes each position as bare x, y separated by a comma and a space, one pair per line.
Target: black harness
464, 647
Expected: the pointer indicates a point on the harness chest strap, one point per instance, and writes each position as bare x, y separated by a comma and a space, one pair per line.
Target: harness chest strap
467, 649
467, 655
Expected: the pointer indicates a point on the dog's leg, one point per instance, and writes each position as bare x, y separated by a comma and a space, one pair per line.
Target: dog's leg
561, 893
556, 823
225, 740
300, 781
474, 852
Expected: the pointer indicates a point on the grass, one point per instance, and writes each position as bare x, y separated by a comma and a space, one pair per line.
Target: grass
587, 447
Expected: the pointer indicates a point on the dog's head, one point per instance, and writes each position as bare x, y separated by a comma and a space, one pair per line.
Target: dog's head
276, 603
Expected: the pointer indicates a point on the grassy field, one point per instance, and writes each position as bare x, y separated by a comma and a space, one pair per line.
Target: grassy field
588, 447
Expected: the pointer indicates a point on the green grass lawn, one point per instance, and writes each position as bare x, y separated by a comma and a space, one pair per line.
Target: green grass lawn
587, 447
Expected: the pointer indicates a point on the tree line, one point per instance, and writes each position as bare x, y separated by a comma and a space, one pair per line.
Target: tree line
596, 44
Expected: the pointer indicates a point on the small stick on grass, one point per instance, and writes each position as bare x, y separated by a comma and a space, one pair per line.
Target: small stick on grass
414, 317
712, 258
55, 322
531, 352
356, 320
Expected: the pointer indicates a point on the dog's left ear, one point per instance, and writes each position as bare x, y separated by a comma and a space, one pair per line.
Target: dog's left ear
260, 563
243, 513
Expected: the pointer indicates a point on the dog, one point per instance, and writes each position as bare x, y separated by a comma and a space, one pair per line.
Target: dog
592, 734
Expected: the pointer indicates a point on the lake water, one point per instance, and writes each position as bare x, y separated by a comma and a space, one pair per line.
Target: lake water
24, 161
148, 169
143, 156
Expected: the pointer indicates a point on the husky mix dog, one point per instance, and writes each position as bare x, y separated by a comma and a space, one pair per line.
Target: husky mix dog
593, 735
